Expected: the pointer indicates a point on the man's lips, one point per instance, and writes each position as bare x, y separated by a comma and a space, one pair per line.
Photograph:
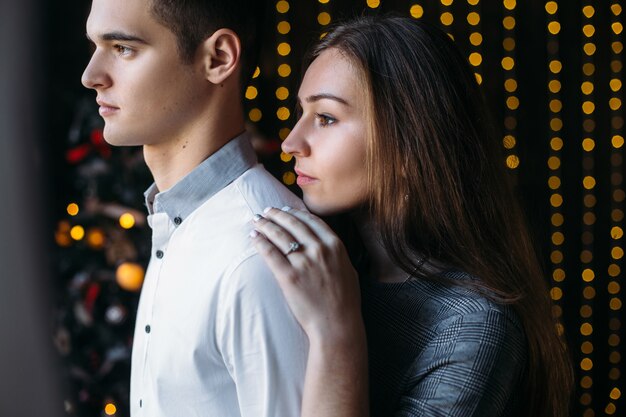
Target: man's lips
303, 178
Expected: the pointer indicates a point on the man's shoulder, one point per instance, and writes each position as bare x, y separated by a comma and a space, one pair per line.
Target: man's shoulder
260, 190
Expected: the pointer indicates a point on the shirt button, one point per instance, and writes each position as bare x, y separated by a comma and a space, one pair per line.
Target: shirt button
159, 254
177, 221
147, 328
140, 403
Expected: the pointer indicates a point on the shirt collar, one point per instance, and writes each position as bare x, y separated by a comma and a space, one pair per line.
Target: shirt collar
213, 174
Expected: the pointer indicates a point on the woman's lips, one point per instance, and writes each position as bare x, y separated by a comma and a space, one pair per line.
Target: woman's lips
304, 179
107, 110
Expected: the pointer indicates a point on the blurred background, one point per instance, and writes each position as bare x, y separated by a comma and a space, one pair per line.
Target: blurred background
552, 75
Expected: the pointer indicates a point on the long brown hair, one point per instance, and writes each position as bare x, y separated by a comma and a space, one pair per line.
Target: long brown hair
431, 140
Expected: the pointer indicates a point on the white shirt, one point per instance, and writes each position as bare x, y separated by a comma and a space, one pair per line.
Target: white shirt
214, 335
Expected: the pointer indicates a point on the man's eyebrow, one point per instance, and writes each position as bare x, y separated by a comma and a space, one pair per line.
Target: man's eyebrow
118, 36
327, 96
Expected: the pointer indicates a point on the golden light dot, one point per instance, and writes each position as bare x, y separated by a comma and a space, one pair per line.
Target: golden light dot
589, 30
586, 257
615, 103
616, 252
588, 107
554, 86
451, 36
556, 293
616, 9
323, 1
475, 59
586, 348
127, 220
510, 85
110, 409
614, 270
617, 47
589, 69
588, 275
617, 28
614, 374
323, 18
285, 157
617, 141
589, 219
588, 11
556, 144
447, 2
283, 49
373, 3
479, 78
617, 215
614, 340
416, 11
586, 87
64, 226
586, 364
554, 162
554, 182
283, 133
615, 84
95, 238
610, 409
556, 200
62, 238
257, 72
512, 161
615, 394
283, 27
555, 66
556, 257
585, 399
282, 6
255, 115
77, 232
476, 38
558, 275
508, 141
558, 238
589, 144
512, 103
473, 18
509, 4
473, 2
557, 311
586, 329
615, 304
289, 178
284, 70
554, 27
589, 48
586, 311
283, 113
617, 232
129, 276
616, 66
72, 209
557, 219
508, 44
613, 287
508, 63
282, 93
446, 18
508, 22
251, 92
551, 7
556, 124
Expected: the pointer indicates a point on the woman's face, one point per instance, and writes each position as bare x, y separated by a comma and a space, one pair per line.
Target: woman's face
329, 139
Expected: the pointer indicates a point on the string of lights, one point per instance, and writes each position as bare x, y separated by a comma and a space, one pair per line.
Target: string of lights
475, 39
510, 84
617, 213
446, 17
587, 263
557, 219
416, 10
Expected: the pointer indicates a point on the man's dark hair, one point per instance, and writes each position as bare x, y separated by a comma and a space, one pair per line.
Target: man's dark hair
193, 21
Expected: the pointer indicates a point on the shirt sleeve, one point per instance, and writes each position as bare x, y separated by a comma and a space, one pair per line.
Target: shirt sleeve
470, 368
262, 344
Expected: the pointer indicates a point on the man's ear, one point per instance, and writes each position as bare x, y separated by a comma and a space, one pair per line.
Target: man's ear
221, 55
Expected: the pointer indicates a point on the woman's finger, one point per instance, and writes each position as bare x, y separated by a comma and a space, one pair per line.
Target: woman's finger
316, 225
299, 230
276, 234
277, 262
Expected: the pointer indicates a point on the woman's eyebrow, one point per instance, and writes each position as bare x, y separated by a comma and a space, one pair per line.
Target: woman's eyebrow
325, 96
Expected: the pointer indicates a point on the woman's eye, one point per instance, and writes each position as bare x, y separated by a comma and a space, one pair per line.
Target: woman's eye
123, 50
325, 120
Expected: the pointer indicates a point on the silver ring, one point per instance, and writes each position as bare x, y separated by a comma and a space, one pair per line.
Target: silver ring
293, 247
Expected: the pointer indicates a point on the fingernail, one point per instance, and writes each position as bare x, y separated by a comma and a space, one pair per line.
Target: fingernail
267, 209
286, 208
257, 217
254, 233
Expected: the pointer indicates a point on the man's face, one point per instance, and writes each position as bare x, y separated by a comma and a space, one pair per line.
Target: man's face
147, 95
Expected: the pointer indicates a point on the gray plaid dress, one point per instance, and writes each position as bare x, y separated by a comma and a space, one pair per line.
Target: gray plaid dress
437, 350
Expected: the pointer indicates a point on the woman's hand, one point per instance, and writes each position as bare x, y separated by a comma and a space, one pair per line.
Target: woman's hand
312, 267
